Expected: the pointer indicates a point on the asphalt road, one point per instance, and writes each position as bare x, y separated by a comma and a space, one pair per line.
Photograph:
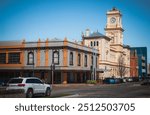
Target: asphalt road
124, 90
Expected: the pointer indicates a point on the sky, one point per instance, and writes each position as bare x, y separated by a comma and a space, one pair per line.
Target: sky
34, 19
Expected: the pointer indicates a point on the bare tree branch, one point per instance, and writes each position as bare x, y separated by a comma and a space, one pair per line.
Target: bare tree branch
122, 70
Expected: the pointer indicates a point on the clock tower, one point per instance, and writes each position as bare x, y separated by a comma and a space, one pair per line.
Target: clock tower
114, 28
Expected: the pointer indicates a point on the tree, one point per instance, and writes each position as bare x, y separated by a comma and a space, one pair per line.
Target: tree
122, 70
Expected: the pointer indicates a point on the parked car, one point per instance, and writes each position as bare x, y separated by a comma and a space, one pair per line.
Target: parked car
31, 86
109, 81
118, 80
129, 79
135, 79
112, 80
4, 82
146, 81
124, 80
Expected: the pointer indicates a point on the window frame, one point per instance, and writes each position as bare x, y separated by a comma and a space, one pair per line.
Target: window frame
30, 63
56, 58
12, 60
91, 43
71, 58
97, 43
85, 60
2, 58
79, 59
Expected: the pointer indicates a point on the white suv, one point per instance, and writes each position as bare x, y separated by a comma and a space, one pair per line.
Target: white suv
30, 85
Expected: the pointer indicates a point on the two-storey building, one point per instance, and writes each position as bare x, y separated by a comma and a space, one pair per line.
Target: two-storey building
55, 61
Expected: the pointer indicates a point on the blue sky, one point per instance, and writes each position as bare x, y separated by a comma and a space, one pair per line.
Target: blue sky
33, 19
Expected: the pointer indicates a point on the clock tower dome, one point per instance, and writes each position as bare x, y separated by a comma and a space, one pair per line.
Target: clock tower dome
114, 28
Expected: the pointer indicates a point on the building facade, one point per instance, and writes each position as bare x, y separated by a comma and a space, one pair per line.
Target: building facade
55, 61
133, 63
110, 47
148, 69
60, 61
142, 61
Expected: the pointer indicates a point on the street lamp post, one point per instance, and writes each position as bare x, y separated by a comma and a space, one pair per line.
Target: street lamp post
53, 69
91, 72
33, 69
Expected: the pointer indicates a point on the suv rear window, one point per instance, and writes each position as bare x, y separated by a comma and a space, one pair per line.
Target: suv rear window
15, 81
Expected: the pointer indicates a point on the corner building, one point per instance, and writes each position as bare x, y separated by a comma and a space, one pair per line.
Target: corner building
57, 61
110, 46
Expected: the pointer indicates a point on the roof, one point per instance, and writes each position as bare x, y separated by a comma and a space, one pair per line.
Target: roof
97, 35
126, 46
56, 39
10, 43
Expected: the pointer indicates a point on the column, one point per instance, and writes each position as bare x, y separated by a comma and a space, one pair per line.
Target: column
81, 77
64, 80
75, 77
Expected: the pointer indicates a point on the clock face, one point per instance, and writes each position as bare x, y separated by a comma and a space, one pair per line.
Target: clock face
113, 20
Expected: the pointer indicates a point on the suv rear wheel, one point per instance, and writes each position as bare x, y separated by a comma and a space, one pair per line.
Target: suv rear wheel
29, 93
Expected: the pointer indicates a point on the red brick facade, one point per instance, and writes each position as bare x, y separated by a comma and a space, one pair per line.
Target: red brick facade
134, 64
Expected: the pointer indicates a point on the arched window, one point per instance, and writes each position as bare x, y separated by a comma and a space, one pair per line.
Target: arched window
71, 58
85, 60
112, 39
91, 43
97, 43
79, 59
30, 58
94, 43
55, 57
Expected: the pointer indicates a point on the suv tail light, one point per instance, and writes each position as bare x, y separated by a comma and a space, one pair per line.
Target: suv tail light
21, 85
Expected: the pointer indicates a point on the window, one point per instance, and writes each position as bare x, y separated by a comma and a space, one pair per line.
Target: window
94, 43
30, 58
14, 58
37, 81
92, 60
55, 57
85, 61
15, 81
97, 43
91, 43
71, 58
2, 58
112, 40
79, 59
30, 81
42, 75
